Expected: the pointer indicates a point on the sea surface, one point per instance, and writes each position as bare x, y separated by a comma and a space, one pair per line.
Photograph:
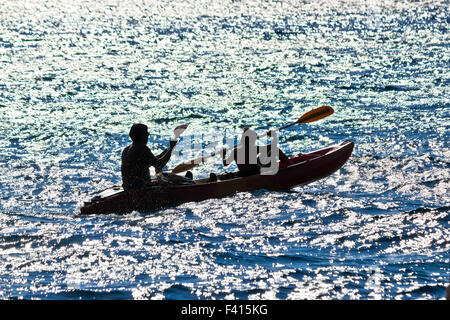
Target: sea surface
75, 75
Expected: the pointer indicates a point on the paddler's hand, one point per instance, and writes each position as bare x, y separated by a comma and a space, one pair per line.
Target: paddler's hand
173, 143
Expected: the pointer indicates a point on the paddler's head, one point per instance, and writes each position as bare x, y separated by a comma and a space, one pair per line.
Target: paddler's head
139, 133
249, 137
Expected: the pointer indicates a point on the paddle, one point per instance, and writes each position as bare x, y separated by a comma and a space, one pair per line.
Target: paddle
176, 134
311, 116
178, 131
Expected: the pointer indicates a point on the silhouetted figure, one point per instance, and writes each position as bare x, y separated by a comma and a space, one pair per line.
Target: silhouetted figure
137, 159
247, 154
448, 292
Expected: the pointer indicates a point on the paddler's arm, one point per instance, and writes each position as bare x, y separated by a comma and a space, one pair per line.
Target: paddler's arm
164, 156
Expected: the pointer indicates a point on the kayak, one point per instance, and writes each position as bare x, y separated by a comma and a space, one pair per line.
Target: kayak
300, 170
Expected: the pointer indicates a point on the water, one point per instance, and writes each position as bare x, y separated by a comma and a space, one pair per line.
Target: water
75, 76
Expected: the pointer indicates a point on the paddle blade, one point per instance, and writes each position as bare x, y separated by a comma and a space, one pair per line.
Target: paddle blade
316, 114
185, 166
179, 130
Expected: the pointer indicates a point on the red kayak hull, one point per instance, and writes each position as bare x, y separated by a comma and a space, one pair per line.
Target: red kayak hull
303, 169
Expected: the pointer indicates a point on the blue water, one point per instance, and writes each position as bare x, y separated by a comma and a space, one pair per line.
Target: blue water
75, 76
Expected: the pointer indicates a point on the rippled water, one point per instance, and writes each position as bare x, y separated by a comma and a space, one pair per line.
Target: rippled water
76, 75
